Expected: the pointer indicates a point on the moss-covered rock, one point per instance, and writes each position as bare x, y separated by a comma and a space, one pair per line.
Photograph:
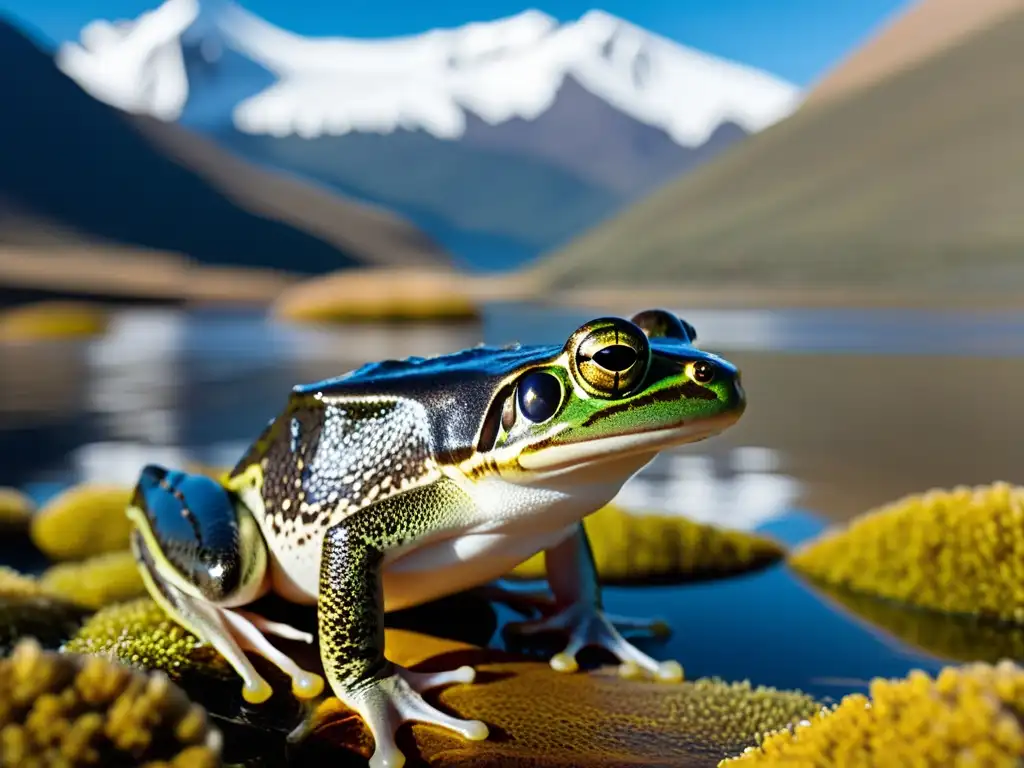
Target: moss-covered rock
83, 521
140, 634
97, 581
631, 548
966, 716
959, 551
66, 710
53, 320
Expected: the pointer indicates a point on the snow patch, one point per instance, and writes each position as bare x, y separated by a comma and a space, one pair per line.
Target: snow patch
496, 70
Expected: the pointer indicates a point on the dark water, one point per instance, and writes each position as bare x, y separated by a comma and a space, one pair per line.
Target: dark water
847, 410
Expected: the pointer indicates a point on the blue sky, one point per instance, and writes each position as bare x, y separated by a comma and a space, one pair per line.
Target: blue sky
795, 39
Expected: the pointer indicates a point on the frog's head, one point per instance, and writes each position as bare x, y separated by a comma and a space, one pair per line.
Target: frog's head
198, 534
618, 392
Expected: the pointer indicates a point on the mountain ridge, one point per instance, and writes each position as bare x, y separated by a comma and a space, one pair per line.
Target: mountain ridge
913, 183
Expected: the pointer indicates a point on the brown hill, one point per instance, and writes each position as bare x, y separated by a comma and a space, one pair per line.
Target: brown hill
915, 183
919, 30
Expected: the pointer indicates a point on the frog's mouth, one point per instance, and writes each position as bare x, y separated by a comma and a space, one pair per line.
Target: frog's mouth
587, 452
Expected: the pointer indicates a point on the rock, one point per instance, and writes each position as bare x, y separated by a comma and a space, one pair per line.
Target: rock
97, 581
83, 521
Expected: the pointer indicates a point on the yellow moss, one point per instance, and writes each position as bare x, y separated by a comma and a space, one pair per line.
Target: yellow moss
66, 710
960, 551
48, 320
101, 580
594, 719
967, 716
83, 521
630, 547
15, 508
139, 633
955, 637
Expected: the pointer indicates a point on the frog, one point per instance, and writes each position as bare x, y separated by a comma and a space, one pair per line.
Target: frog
404, 481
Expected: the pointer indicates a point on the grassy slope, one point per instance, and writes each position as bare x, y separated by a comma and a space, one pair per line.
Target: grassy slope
915, 182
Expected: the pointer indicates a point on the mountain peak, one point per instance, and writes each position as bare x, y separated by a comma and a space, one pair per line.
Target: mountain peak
497, 70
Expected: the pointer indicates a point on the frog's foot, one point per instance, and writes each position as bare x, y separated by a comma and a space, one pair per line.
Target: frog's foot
246, 626
386, 703
586, 626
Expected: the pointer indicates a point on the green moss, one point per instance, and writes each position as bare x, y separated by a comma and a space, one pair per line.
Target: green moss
83, 521
101, 580
139, 633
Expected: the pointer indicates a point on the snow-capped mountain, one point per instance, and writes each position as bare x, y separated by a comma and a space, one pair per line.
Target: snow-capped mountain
597, 111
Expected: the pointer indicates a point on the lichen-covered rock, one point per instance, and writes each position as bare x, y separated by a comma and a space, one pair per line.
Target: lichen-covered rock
140, 634
83, 521
631, 548
953, 637
28, 609
65, 711
960, 551
542, 718
966, 716
98, 581
15, 510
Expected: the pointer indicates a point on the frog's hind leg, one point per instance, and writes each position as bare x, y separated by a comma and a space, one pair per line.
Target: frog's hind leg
351, 614
203, 620
229, 632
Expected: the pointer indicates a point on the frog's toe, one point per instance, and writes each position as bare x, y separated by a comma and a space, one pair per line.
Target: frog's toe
424, 681
305, 685
392, 701
589, 627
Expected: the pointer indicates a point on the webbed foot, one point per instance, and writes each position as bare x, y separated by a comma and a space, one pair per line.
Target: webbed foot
588, 626
386, 703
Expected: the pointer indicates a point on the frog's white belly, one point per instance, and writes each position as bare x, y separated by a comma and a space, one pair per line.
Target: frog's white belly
512, 524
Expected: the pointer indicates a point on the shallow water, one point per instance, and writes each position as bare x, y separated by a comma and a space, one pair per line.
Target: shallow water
847, 410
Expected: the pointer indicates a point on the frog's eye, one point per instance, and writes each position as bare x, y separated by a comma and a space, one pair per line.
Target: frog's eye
609, 357
662, 324
538, 396
701, 371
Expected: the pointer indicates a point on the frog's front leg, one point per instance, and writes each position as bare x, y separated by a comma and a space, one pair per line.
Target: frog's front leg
351, 618
578, 611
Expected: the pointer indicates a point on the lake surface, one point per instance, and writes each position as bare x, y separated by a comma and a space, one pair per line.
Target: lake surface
847, 410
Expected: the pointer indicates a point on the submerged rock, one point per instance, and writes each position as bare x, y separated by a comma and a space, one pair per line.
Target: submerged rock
66, 710
970, 715
539, 717
97, 581
959, 551
83, 521
631, 548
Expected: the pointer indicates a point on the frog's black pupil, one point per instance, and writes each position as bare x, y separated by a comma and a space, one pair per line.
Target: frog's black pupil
540, 394
703, 372
617, 357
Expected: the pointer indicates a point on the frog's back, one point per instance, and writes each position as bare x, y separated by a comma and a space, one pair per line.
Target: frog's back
341, 444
